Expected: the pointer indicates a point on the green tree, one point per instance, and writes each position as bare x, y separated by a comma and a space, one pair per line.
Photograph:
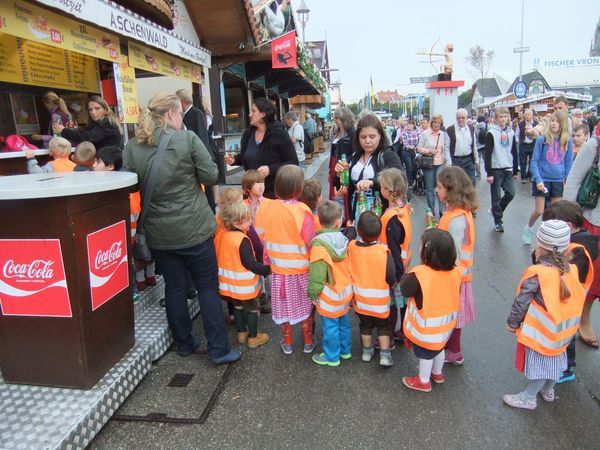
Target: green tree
465, 98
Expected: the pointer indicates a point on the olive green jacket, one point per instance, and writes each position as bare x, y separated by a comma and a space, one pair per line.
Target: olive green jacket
178, 216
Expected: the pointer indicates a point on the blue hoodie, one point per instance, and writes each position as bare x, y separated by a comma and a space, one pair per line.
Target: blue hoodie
549, 163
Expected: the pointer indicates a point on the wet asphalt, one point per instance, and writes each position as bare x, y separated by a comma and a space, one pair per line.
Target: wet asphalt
269, 400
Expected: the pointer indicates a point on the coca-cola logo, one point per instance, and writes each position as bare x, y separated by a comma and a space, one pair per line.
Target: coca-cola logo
108, 257
38, 269
284, 45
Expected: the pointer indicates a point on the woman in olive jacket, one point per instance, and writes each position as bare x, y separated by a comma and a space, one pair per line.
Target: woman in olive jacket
265, 146
179, 224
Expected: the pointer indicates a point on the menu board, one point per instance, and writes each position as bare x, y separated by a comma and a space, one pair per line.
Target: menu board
31, 22
129, 109
158, 62
31, 63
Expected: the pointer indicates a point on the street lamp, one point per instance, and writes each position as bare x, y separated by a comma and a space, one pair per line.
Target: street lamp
302, 12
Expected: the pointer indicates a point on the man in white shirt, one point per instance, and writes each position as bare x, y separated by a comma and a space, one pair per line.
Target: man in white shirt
296, 133
461, 147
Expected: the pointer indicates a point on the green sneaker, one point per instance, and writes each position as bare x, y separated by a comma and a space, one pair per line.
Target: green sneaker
322, 361
347, 356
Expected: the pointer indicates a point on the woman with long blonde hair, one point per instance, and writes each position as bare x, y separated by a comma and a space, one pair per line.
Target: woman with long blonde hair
550, 165
58, 111
179, 224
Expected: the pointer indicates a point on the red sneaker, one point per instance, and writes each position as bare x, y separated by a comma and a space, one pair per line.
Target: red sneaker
416, 384
437, 378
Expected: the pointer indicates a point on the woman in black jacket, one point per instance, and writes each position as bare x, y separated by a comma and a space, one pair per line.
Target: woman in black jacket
265, 146
371, 150
102, 129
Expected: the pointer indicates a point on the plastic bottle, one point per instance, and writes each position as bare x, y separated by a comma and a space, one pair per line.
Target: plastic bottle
56, 119
344, 174
429, 218
377, 205
363, 204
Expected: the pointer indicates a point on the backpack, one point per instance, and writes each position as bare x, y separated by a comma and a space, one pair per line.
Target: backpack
481, 135
306, 143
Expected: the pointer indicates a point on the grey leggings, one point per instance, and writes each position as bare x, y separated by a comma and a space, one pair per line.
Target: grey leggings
536, 386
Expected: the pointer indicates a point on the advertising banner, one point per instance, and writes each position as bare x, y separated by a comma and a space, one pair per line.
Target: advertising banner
274, 18
152, 60
111, 16
107, 261
126, 86
32, 278
37, 24
283, 51
31, 63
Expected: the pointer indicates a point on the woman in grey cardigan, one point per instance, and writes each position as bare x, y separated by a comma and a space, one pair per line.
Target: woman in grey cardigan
581, 165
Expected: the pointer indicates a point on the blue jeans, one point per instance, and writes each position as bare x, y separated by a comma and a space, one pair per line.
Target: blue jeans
503, 181
468, 165
201, 262
430, 177
336, 337
408, 159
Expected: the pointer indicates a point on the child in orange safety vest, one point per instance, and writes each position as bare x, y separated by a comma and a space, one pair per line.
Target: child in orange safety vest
286, 227
239, 272
455, 188
60, 150
396, 233
583, 251
545, 315
434, 291
373, 274
330, 285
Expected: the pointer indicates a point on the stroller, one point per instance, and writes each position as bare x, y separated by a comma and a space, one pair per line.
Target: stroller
419, 184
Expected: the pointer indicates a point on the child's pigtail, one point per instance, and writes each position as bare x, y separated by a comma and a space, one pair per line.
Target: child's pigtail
563, 266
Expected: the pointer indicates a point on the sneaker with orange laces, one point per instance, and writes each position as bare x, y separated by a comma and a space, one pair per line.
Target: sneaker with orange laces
437, 378
416, 384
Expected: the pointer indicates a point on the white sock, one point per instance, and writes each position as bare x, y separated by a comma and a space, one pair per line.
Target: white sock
150, 269
425, 366
438, 363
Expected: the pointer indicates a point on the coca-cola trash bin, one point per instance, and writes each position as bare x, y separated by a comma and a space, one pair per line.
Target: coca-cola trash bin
66, 308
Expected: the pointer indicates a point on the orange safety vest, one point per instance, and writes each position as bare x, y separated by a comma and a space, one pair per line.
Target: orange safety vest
135, 207
261, 217
466, 251
403, 215
62, 165
334, 300
318, 226
432, 326
280, 224
235, 280
589, 279
220, 230
548, 331
371, 291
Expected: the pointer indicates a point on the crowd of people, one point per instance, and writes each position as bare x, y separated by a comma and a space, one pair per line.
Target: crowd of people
278, 236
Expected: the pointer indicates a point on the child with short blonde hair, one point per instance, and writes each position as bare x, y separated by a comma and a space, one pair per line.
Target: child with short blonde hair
84, 156
455, 188
239, 272
60, 150
287, 228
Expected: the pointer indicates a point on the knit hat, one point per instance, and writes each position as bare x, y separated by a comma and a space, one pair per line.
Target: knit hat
554, 235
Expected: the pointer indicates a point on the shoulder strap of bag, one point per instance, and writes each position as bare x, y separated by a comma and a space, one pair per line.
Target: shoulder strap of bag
151, 180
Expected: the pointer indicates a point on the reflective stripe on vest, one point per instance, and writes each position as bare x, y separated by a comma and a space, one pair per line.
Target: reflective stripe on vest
241, 290
551, 326
379, 309
430, 322
372, 293
247, 275
433, 339
538, 336
346, 294
289, 263
335, 310
235, 280
368, 266
287, 248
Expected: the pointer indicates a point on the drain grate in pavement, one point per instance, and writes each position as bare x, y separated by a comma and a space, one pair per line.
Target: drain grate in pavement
181, 380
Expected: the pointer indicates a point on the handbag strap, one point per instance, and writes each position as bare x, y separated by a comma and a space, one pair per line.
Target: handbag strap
151, 180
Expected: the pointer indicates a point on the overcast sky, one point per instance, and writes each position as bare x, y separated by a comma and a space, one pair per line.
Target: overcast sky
380, 37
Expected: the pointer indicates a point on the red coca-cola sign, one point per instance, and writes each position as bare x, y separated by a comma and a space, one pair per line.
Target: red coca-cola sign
283, 51
32, 278
107, 260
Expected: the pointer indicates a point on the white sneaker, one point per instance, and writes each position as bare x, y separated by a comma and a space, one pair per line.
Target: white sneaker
548, 395
367, 354
385, 359
519, 401
527, 235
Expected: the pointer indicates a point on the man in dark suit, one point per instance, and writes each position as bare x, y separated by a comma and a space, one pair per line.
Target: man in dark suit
194, 119
461, 146
526, 143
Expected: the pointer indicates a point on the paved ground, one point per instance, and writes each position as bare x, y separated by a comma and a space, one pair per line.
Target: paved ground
270, 400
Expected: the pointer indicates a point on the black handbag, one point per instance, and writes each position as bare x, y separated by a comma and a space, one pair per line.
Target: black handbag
140, 249
587, 196
425, 162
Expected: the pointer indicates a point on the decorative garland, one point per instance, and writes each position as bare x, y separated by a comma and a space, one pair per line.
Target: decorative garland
311, 71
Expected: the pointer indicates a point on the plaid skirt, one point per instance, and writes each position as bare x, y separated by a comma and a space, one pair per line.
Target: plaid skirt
541, 367
289, 298
466, 313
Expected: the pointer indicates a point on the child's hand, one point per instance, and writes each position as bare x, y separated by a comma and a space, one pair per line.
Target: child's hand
29, 154
511, 329
340, 192
364, 185
541, 187
350, 223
